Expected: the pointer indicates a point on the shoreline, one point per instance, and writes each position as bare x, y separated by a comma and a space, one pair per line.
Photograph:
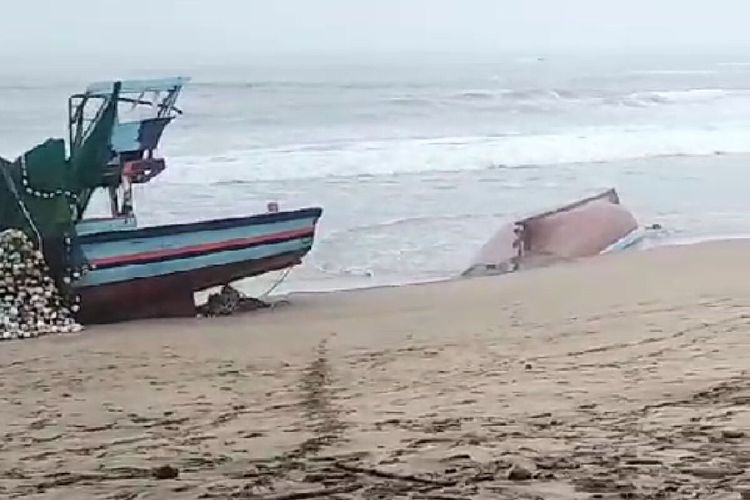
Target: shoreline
645, 245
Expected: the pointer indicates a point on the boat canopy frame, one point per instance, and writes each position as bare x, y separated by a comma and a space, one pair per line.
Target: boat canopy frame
165, 91
133, 141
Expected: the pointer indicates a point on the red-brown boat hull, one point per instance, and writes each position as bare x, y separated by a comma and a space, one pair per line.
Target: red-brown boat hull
168, 296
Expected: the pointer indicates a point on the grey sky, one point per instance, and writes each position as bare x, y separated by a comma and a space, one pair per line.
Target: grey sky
207, 27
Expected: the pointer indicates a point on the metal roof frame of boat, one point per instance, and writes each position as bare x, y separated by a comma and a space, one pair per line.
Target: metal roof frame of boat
137, 86
78, 123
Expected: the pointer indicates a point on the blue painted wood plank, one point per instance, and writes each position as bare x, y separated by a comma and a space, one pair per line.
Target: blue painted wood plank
94, 251
124, 273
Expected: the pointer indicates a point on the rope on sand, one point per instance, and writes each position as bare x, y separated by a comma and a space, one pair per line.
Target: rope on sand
278, 282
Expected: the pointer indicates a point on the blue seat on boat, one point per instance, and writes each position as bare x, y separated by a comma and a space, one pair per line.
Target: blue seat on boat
138, 135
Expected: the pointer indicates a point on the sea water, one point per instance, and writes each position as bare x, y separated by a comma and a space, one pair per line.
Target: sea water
417, 161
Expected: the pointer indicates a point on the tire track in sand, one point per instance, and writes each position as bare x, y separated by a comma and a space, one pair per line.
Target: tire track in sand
320, 412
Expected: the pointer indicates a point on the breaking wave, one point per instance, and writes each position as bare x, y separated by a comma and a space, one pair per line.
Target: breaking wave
448, 154
675, 72
687, 96
550, 99
417, 94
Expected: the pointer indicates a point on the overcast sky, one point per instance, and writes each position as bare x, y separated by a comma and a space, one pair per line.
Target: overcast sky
214, 27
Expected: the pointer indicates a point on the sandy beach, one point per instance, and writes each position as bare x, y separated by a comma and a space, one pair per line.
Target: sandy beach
619, 377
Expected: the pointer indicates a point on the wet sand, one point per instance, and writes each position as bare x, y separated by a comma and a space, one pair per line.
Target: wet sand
619, 377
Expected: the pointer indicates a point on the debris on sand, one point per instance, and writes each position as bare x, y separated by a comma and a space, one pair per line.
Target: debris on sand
229, 301
166, 472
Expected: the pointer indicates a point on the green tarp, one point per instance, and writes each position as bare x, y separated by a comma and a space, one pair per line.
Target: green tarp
43, 191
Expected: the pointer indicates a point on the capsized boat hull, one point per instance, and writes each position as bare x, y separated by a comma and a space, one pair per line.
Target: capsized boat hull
154, 272
584, 228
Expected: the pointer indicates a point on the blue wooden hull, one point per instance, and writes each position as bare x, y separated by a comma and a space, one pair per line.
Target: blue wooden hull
154, 272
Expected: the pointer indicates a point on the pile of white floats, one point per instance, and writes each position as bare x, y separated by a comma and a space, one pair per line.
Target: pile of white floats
30, 303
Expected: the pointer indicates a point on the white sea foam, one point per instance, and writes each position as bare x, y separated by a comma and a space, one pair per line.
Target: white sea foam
675, 72
689, 95
457, 154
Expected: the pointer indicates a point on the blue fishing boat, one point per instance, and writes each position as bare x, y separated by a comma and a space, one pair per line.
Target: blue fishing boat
117, 270
154, 271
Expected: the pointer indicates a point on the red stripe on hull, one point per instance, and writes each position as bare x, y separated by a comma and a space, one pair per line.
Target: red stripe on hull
235, 244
